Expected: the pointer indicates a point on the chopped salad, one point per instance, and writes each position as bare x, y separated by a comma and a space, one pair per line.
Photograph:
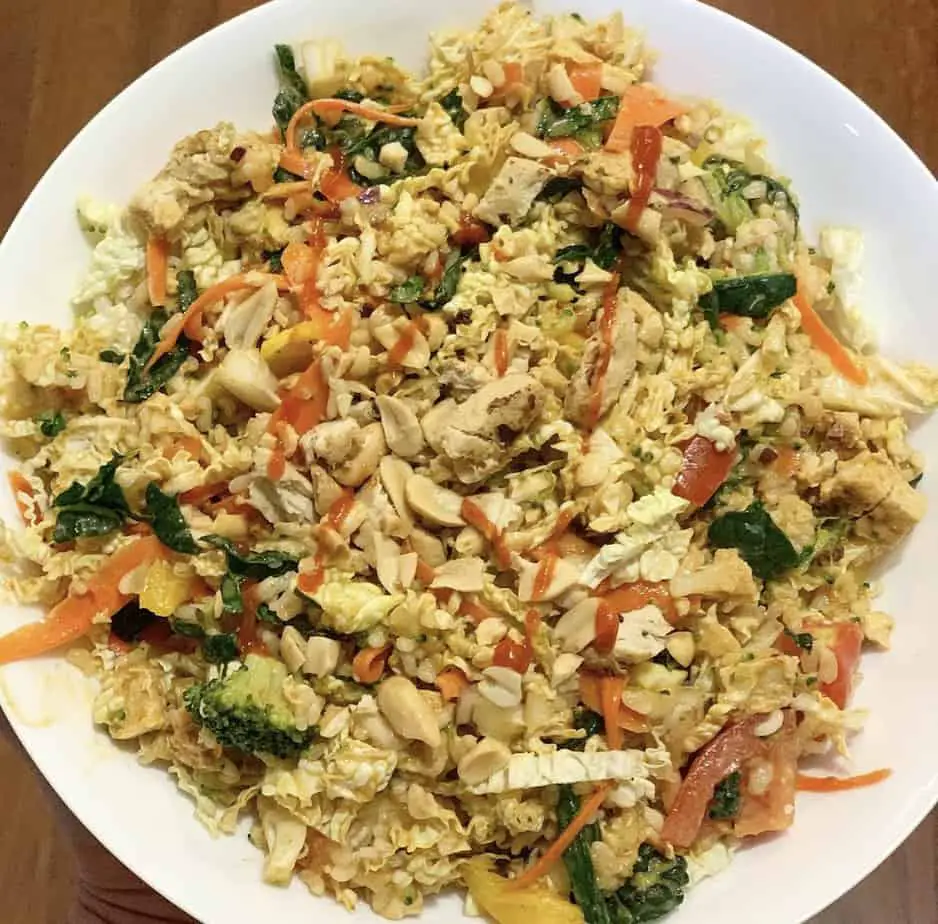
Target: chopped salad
472, 479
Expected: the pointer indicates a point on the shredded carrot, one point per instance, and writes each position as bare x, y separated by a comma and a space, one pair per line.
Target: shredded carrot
786, 464
189, 319
203, 493
564, 149
20, 486
277, 464
500, 352
610, 695
474, 611
628, 719
368, 665
541, 867
841, 783
293, 162
451, 681
827, 343
640, 104
514, 76
586, 78
191, 445
304, 405
336, 185
157, 266
74, 616
425, 572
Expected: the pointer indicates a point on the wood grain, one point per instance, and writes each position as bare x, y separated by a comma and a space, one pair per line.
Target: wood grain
58, 68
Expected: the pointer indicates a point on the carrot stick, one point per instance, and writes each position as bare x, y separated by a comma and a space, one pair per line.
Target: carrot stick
586, 78
451, 681
368, 665
556, 850
474, 611
157, 266
827, 343
73, 617
640, 105
338, 106
840, 783
189, 319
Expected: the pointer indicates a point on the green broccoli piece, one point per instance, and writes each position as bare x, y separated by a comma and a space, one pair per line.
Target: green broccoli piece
655, 888
246, 709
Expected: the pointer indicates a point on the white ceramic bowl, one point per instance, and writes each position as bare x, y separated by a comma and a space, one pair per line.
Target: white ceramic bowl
847, 166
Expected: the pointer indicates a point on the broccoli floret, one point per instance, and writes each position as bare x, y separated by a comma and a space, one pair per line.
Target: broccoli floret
655, 888
246, 709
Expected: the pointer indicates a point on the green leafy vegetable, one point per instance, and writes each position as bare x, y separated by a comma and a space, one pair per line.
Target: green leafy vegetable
604, 253
583, 122
804, 640
586, 721
369, 145
726, 797
655, 888
559, 186
266, 615
578, 860
408, 291
220, 649
292, 92
164, 515
186, 289
284, 176
130, 621
732, 178
452, 104
112, 357
349, 95
573, 253
254, 565
452, 273
274, 259
231, 599
94, 509
51, 423
142, 384
748, 296
187, 628
760, 542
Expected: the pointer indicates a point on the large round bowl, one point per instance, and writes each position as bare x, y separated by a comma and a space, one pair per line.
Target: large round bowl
848, 168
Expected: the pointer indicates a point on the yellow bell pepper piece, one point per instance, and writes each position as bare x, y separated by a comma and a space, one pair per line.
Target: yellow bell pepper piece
164, 591
507, 904
292, 350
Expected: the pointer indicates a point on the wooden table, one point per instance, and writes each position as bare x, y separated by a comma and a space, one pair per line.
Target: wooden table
57, 68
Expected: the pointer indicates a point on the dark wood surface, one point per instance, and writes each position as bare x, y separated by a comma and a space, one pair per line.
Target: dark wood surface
59, 66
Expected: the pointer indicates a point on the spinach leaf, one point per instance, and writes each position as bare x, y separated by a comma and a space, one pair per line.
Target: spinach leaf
94, 509
142, 384
186, 628
255, 565
284, 176
164, 515
452, 273
220, 649
579, 862
292, 92
369, 145
452, 103
231, 599
349, 95
130, 620
760, 542
804, 640
573, 253
581, 122
587, 721
266, 615
726, 797
51, 423
748, 296
274, 259
559, 186
733, 177
112, 357
408, 291
604, 254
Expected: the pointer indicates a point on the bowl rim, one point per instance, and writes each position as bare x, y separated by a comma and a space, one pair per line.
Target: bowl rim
838, 883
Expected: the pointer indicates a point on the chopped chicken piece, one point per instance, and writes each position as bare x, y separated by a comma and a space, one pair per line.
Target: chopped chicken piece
727, 577
513, 191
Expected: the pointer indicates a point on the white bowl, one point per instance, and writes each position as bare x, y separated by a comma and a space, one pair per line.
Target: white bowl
847, 166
